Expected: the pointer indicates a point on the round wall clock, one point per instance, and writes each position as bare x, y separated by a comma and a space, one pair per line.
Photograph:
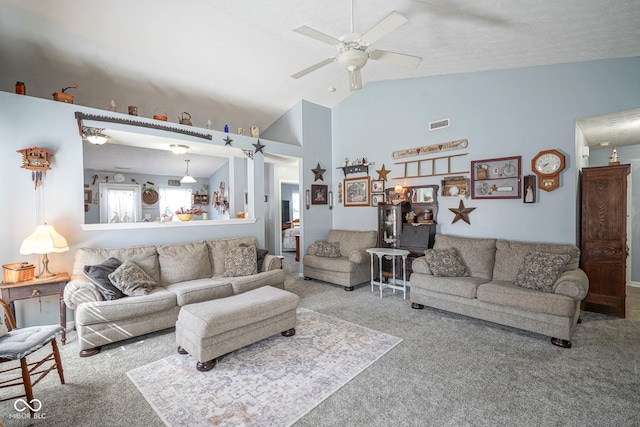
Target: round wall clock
547, 165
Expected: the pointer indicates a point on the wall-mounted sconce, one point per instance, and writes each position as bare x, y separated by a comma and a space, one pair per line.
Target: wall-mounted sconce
330, 200
307, 198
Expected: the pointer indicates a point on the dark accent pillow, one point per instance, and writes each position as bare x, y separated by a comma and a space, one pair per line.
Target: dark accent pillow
99, 276
540, 270
261, 253
446, 263
132, 280
240, 261
327, 249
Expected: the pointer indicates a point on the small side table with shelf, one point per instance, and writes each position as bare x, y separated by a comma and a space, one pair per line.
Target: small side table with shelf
12, 292
393, 282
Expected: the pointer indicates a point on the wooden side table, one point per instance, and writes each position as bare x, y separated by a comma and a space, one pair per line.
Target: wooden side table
38, 288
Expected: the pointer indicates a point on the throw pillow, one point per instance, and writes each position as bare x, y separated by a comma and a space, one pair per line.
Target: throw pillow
540, 270
328, 249
99, 276
446, 263
261, 253
132, 280
240, 261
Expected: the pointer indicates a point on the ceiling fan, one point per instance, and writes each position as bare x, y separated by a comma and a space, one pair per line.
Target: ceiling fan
353, 48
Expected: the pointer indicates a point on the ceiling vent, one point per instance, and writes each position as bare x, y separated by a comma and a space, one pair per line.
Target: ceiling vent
440, 124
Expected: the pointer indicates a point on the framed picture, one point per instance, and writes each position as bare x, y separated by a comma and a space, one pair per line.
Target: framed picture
319, 195
529, 188
88, 196
356, 191
377, 186
496, 178
376, 199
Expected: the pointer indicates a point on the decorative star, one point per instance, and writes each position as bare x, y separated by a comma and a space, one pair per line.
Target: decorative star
318, 172
382, 173
461, 213
259, 147
227, 141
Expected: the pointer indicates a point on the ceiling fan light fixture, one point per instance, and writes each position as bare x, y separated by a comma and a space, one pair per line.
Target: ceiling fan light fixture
94, 135
352, 59
187, 179
179, 148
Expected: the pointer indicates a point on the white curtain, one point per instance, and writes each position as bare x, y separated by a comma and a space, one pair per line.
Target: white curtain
121, 206
172, 199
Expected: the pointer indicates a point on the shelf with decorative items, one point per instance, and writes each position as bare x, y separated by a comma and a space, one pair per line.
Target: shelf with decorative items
357, 166
496, 178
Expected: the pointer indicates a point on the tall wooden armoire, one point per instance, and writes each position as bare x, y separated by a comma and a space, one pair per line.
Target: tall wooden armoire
603, 239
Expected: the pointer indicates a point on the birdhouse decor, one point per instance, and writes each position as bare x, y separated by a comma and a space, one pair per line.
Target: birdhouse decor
36, 160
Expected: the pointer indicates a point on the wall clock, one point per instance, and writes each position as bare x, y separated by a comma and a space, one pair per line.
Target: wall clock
548, 164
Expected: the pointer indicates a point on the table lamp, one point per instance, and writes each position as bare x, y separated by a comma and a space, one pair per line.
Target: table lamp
42, 242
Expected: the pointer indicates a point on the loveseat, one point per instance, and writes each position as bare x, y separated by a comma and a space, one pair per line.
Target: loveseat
179, 274
536, 287
342, 259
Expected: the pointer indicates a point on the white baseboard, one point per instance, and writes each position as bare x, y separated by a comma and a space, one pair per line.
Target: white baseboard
635, 284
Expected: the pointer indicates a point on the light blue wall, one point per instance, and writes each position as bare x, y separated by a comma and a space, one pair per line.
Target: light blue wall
628, 155
515, 112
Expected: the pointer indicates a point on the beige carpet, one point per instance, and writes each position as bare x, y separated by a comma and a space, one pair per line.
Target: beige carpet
271, 383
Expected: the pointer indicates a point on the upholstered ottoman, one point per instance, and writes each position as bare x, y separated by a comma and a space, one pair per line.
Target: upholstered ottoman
209, 329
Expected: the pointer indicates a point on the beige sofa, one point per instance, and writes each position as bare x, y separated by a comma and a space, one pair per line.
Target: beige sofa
349, 267
185, 273
489, 292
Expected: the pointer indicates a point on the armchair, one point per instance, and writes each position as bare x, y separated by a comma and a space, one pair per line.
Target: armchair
350, 268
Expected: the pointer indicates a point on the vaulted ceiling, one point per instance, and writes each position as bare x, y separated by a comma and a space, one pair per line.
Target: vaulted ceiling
230, 61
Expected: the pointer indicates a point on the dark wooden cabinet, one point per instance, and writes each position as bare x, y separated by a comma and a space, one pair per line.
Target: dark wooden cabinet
395, 232
603, 237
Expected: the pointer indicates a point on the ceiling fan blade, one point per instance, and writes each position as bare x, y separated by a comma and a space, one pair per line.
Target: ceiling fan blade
313, 67
384, 27
395, 58
318, 35
355, 80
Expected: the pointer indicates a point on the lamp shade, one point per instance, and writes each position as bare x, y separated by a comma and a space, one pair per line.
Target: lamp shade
44, 240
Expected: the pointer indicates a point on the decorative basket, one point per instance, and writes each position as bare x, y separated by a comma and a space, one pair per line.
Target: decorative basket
158, 116
150, 196
185, 217
18, 272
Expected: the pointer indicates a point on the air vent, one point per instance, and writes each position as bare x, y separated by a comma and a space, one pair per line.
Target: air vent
440, 124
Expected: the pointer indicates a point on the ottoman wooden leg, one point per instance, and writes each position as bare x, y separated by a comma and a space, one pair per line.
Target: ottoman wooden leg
289, 332
182, 350
206, 366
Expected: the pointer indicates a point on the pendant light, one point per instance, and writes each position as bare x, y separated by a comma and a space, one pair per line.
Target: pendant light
187, 179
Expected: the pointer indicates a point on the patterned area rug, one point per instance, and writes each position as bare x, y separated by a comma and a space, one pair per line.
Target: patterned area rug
270, 383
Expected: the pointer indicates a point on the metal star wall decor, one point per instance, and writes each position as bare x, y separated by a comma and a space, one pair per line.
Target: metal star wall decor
259, 147
382, 173
461, 213
318, 172
227, 141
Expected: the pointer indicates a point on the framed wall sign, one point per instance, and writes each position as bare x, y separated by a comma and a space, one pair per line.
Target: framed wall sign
496, 178
319, 195
356, 191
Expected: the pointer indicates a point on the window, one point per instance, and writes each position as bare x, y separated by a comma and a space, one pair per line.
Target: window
120, 203
172, 199
295, 205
